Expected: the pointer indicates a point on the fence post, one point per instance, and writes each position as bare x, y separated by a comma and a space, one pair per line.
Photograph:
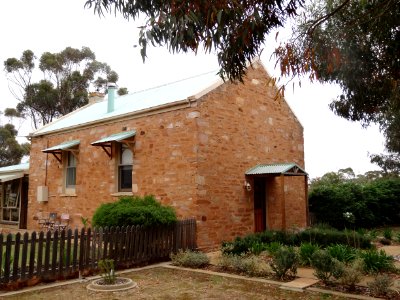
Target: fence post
62, 255
87, 248
54, 255
81, 250
24, 255
68, 256
75, 258
40, 254
7, 258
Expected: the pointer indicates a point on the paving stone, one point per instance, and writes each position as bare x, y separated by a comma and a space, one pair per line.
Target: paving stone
299, 284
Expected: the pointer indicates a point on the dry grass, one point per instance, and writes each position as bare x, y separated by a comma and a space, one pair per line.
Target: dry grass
162, 283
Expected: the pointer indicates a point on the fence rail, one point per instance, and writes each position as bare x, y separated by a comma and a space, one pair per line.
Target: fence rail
64, 254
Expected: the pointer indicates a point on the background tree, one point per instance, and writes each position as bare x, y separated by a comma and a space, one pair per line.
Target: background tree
355, 44
236, 30
11, 152
67, 76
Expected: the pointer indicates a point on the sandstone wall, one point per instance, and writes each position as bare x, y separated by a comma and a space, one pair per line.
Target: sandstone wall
240, 127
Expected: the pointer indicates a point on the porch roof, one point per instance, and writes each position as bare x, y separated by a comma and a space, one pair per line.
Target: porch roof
63, 146
290, 169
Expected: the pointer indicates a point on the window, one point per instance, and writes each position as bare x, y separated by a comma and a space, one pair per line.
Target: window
70, 175
125, 169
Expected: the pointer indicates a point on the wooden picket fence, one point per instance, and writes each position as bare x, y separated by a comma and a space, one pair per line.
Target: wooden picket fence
66, 254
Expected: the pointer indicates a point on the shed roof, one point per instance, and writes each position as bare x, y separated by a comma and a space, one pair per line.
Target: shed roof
13, 172
177, 91
283, 168
24, 167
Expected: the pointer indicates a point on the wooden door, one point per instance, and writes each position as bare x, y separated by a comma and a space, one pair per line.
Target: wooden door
260, 211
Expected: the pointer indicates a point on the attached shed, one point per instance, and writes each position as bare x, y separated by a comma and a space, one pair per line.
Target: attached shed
14, 195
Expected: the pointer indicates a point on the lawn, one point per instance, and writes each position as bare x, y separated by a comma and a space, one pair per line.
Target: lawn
162, 283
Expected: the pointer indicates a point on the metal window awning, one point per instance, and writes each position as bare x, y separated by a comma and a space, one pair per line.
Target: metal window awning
290, 169
65, 146
9, 177
126, 137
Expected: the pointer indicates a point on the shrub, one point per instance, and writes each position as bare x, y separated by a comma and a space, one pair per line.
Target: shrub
352, 275
326, 267
377, 261
321, 237
273, 247
129, 211
107, 270
327, 237
398, 237
257, 248
250, 265
190, 259
380, 285
306, 251
284, 262
342, 253
373, 234
388, 233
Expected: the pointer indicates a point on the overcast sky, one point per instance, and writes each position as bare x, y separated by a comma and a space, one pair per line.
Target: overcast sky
331, 143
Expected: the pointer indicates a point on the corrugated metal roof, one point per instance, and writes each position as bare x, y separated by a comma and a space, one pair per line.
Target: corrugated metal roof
284, 168
63, 146
137, 101
8, 177
116, 137
15, 168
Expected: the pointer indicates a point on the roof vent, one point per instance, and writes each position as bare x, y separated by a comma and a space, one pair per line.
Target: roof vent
111, 96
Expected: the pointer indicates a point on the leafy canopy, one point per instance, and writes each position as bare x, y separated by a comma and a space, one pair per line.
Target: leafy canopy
11, 151
67, 77
355, 44
236, 30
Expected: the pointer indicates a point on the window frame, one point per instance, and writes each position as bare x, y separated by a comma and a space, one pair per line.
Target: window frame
122, 147
69, 188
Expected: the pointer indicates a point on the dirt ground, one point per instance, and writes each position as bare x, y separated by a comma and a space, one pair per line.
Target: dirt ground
162, 283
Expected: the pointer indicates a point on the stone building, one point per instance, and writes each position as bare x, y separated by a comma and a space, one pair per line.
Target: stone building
226, 154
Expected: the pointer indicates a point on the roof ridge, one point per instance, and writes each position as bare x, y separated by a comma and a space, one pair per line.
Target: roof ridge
170, 83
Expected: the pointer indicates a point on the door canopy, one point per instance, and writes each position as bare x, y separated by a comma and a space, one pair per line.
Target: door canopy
287, 169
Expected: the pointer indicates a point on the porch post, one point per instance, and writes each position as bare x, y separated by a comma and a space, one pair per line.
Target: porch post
283, 201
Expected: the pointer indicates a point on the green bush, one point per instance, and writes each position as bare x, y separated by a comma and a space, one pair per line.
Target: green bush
343, 253
377, 261
327, 237
273, 247
190, 259
320, 237
284, 262
306, 251
257, 248
372, 204
129, 211
388, 233
326, 267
